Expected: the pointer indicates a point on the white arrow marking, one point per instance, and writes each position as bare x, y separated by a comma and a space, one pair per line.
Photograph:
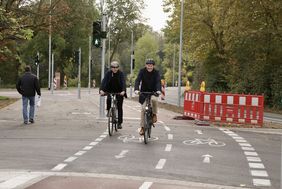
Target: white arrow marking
206, 158
122, 154
199, 132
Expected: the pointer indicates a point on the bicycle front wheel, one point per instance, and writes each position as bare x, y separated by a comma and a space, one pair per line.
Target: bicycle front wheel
110, 122
147, 130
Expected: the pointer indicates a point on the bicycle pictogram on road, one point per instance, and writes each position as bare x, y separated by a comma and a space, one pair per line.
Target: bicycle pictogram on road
209, 141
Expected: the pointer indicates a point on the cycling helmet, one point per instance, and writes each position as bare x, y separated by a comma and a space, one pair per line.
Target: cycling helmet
150, 61
115, 64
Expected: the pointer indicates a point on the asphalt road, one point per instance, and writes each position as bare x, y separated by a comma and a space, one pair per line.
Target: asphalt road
68, 147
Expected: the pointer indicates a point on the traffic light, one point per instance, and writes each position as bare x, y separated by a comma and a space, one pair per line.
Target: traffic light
96, 34
133, 63
36, 60
76, 57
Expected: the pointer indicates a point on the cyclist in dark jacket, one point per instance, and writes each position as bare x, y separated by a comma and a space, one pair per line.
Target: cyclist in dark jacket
27, 85
148, 80
114, 82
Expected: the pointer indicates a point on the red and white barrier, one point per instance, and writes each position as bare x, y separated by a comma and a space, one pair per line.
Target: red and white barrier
55, 83
227, 108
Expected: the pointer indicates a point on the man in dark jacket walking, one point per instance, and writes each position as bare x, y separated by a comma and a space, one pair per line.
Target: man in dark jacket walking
114, 82
27, 85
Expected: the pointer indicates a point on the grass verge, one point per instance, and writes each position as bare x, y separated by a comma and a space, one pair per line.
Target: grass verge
6, 101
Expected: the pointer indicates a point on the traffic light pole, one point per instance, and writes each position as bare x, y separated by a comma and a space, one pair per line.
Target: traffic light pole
102, 98
89, 66
52, 74
131, 63
79, 73
37, 69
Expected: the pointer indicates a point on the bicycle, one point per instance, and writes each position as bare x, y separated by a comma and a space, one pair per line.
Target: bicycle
148, 116
113, 114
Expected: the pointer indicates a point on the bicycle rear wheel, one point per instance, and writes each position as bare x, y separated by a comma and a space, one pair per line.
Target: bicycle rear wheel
110, 122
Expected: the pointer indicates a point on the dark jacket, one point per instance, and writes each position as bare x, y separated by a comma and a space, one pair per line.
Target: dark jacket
28, 84
106, 81
147, 82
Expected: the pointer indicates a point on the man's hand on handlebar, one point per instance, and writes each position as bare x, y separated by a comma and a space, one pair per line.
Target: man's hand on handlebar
122, 93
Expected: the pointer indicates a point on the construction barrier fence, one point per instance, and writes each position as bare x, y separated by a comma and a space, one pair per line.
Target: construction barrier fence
222, 107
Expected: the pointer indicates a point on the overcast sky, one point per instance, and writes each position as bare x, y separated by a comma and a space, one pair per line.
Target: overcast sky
154, 12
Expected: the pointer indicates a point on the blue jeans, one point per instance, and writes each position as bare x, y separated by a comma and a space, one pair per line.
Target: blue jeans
31, 100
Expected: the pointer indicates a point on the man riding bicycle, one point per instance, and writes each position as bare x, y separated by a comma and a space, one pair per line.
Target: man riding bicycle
148, 80
114, 82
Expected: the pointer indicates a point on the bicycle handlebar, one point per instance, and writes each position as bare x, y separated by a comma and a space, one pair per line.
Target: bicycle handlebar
150, 93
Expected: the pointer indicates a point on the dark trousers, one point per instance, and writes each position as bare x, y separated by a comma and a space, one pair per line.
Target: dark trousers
119, 107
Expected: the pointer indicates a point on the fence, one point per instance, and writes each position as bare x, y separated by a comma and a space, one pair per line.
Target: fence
222, 107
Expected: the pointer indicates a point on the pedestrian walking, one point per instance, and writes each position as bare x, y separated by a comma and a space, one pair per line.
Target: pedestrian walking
27, 85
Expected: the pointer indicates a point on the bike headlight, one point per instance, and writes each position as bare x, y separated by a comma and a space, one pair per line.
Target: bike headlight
146, 108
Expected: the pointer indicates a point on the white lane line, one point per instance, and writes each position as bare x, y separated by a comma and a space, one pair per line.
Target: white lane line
170, 136
59, 167
238, 138
17, 181
146, 185
250, 153
256, 165
103, 136
245, 144
233, 135
248, 148
105, 133
167, 128
253, 159
261, 182
87, 147
161, 164
257, 169
93, 143
70, 159
80, 153
168, 147
199, 132
121, 154
99, 139
259, 173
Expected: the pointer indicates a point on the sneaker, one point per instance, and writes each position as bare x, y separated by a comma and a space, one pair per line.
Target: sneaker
119, 126
31, 121
155, 118
25, 122
141, 132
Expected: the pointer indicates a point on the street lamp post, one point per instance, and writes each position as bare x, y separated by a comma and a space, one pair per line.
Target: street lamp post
131, 63
50, 58
180, 55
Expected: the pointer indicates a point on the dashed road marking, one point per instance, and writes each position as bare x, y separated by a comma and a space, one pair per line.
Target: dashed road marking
168, 147
161, 164
170, 136
146, 185
87, 147
70, 159
256, 169
59, 167
80, 153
